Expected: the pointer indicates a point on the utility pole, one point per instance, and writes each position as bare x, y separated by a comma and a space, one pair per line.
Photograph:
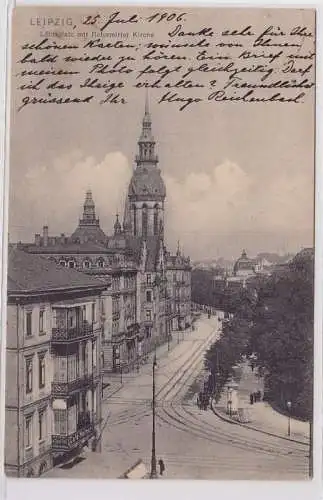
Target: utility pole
153, 472
168, 335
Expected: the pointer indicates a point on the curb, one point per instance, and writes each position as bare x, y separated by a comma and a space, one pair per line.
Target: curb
234, 422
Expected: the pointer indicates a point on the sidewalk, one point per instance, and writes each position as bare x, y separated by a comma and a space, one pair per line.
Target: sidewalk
260, 416
113, 380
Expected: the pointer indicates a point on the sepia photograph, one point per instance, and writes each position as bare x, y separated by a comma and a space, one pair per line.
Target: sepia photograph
160, 259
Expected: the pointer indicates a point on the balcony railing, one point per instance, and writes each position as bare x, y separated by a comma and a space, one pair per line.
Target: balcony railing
67, 443
72, 334
66, 388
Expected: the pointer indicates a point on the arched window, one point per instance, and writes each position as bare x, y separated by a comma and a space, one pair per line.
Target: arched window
100, 263
144, 221
156, 219
86, 264
72, 264
62, 262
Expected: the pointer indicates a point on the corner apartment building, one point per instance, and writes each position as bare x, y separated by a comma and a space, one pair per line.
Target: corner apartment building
53, 372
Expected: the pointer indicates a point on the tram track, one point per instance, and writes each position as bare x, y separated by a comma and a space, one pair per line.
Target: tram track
177, 415
175, 378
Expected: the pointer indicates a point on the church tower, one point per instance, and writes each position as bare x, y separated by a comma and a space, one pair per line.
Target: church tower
144, 210
89, 228
89, 211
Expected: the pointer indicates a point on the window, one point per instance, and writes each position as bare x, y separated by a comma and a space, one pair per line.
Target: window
62, 263
41, 425
28, 431
42, 369
148, 279
28, 324
148, 296
115, 326
41, 321
148, 315
134, 220
156, 220
71, 264
100, 263
93, 312
94, 353
29, 375
144, 221
86, 264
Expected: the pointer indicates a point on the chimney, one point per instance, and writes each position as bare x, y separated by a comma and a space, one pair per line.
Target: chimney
37, 239
45, 236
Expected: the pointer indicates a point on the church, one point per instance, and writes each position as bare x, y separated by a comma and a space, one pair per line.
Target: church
148, 294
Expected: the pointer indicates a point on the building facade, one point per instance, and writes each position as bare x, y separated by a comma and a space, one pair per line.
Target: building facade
148, 289
53, 371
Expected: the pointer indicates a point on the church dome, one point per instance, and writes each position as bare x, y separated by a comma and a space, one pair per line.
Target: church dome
147, 183
244, 264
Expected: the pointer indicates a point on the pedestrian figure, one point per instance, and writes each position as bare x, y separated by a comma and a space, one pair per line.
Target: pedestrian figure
198, 402
161, 466
251, 399
259, 395
252, 367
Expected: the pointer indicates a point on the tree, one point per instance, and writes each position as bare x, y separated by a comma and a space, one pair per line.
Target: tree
282, 335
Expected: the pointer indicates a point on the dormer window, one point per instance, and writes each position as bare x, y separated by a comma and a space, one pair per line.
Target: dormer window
72, 264
86, 264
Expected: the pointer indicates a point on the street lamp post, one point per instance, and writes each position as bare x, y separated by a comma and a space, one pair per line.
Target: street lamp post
289, 405
310, 457
120, 373
153, 472
230, 402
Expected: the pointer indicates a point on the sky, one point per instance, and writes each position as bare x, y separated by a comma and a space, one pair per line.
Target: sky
237, 176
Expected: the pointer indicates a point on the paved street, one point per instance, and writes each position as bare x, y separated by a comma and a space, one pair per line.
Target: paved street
193, 443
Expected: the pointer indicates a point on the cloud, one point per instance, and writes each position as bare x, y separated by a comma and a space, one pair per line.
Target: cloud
213, 213
54, 194
208, 210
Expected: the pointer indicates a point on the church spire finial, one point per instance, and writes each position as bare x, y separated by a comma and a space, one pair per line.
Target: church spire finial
117, 225
146, 104
146, 141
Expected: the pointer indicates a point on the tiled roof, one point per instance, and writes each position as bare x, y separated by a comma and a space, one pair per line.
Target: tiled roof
33, 273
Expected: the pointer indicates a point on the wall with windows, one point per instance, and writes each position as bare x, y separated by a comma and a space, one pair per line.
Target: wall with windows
29, 375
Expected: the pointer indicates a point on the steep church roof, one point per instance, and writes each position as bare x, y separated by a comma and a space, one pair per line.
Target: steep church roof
147, 183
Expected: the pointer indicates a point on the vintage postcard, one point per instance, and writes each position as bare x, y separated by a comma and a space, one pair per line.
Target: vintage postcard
160, 281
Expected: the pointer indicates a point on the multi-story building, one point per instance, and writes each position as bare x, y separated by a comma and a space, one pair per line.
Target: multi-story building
179, 288
141, 307
53, 372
